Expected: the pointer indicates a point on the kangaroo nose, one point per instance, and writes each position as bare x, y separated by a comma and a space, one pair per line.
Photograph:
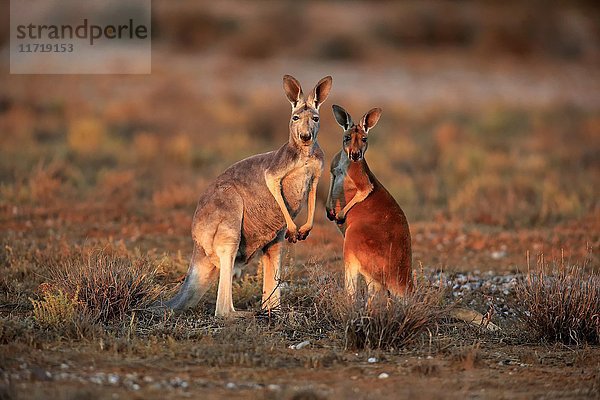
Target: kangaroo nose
355, 155
305, 137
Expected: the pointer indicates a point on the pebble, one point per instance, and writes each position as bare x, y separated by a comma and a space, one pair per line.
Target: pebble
300, 345
178, 382
497, 255
497, 287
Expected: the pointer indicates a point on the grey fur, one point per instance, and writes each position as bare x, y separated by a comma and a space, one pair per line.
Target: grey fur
238, 215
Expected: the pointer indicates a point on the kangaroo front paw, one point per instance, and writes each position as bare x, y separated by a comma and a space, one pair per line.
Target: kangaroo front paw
340, 218
330, 214
291, 235
303, 232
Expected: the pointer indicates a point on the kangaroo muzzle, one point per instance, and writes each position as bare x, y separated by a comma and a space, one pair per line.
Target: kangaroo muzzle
305, 137
355, 155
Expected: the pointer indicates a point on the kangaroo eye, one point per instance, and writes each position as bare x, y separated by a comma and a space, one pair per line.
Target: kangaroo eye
295, 118
316, 119
346, 139
364, 140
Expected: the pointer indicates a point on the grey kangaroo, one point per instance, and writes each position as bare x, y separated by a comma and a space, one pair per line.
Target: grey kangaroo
251, 206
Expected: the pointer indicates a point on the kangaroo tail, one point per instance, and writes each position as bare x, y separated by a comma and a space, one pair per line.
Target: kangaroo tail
201, 273
474, 318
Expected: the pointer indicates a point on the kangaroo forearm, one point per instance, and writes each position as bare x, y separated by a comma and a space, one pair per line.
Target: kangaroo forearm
274, 185
358, 197
312, 200
329, 203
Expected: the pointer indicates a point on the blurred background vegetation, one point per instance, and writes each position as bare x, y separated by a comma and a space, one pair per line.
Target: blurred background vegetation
491, 110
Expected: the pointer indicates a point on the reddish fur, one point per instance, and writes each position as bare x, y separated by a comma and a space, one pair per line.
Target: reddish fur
377, 232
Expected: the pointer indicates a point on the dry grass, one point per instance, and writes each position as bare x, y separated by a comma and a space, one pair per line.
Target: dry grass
319, 307
106, 286
174, 196
55, 308
561, 304
382, 322
86, 136
90, 161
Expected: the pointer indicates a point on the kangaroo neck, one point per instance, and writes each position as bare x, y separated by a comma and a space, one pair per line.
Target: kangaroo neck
359, 167
305, 151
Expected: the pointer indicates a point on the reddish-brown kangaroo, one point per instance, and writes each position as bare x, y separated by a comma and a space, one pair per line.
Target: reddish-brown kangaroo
376, 234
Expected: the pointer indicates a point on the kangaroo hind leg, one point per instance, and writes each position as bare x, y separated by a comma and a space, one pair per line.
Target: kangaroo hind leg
374, 287
351, 273
271, 264
200, 276
225, 247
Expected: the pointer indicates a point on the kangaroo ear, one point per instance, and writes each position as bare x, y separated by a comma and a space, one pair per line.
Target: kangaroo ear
292, 89
342, 117
320, 92
370, 119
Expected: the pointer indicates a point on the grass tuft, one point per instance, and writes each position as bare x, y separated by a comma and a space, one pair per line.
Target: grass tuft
366, 322
106, 286
383, 322
55, 308
561, 305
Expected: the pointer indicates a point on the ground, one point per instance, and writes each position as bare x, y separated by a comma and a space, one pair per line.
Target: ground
492, 154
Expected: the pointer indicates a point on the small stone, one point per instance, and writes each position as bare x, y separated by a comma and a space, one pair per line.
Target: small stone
175, 382
40, 374
135, 386
273, 387
372, 360
383, 375
113, 379
148, 379
300, 345
230, 385
64, 366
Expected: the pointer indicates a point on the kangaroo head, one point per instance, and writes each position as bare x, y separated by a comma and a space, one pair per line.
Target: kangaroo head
304, 122
355, 141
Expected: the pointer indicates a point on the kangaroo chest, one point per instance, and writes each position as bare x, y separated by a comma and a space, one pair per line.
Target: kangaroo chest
348, 178
297, 182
